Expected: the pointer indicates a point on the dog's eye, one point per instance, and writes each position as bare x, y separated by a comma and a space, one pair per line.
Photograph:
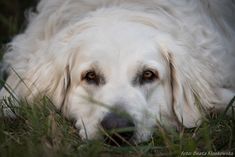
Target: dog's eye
91, 77
148, 76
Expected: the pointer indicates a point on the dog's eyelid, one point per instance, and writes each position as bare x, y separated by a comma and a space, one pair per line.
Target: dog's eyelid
151, 70
92, 77
145, 76
148, 76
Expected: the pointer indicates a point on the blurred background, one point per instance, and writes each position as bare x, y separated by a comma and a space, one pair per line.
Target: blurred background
12, 18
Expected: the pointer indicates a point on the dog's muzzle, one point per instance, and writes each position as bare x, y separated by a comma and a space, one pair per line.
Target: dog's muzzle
119, 128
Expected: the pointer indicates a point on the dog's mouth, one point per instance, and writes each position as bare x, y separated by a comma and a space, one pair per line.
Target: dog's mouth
118, 129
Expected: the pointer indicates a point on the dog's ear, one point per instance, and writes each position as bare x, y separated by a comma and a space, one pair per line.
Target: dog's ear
184, 105
60, 93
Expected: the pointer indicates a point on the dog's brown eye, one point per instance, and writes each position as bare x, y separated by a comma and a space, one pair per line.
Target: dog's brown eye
91, 77
148, 76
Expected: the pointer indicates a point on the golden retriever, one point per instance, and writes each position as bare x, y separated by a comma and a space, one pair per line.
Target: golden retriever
161, 62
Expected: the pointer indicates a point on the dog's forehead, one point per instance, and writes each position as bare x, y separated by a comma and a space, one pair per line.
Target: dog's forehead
123, 42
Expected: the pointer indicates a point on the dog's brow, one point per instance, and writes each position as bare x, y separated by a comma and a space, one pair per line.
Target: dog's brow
95, 66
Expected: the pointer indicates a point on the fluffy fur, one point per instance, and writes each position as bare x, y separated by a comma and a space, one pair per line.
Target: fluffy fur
189, 43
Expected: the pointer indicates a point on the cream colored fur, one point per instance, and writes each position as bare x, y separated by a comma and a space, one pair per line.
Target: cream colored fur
189, 43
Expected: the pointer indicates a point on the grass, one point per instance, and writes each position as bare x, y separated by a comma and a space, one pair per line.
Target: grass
39, 130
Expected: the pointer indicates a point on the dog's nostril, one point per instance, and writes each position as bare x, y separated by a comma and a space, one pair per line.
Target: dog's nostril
120, 128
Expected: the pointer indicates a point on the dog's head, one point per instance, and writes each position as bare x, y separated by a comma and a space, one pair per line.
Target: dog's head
124, 62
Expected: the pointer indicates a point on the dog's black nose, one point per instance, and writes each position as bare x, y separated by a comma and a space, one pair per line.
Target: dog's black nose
119, 127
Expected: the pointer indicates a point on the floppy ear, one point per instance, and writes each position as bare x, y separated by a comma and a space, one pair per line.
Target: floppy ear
45, 81
61, 90
184, 102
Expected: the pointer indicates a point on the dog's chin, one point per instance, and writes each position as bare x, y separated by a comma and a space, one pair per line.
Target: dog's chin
115, 139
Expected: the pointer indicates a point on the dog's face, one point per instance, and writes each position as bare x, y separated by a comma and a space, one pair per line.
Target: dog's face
119, 67
113, 67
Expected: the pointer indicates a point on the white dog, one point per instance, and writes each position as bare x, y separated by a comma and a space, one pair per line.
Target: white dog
161, 62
